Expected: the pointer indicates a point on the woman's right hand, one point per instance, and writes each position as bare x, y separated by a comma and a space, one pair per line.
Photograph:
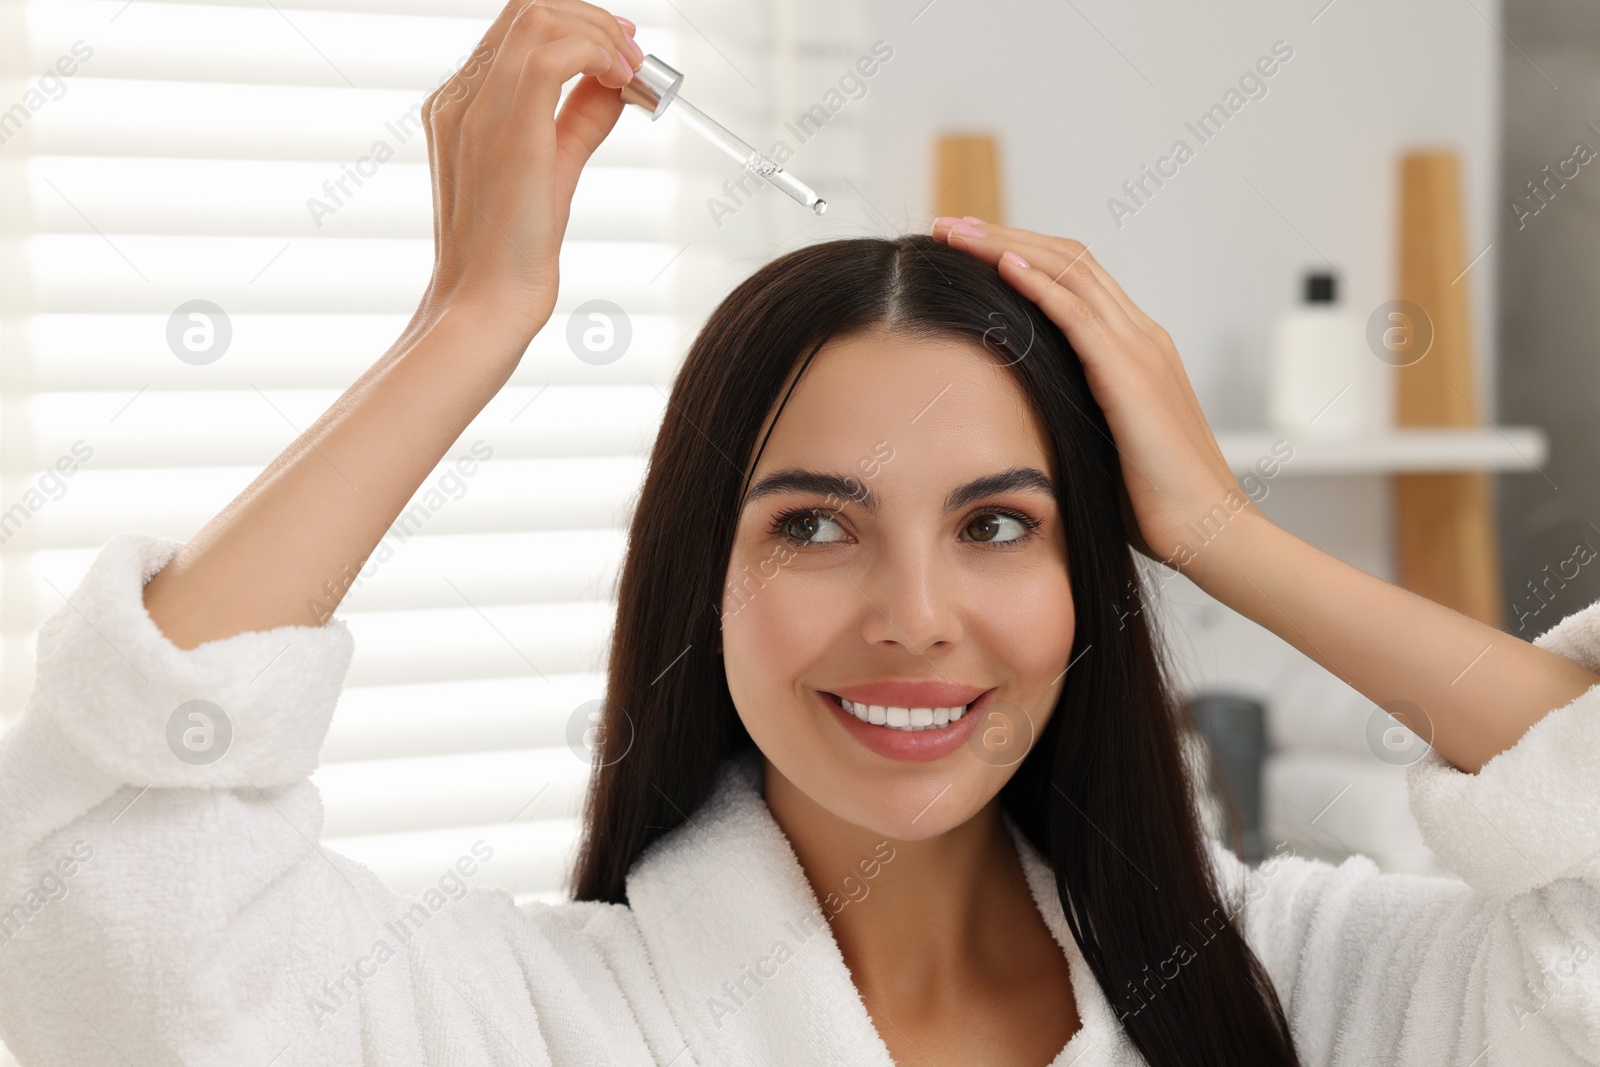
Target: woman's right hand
505, 163
292, 544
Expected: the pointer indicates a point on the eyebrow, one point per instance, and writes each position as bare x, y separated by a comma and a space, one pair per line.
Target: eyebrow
794, 480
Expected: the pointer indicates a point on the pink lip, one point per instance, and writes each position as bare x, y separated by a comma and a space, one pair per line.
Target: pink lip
921, 746
911, 694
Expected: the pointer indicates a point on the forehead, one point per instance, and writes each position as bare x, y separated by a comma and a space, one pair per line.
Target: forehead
939, 403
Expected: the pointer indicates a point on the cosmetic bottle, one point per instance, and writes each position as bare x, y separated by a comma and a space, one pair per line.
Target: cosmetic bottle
1321, 379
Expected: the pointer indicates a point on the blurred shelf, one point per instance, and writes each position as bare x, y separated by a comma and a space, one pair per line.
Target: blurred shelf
1504, 448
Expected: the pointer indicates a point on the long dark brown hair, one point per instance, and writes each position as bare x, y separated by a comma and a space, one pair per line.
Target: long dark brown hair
1104, 794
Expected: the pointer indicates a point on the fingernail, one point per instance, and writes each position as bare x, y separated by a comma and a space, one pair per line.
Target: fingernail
625, 24
1011, 257
635, 51
966, 229
973, 218
946, 221
623, 61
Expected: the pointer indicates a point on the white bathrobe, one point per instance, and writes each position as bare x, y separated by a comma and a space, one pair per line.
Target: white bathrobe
159, 912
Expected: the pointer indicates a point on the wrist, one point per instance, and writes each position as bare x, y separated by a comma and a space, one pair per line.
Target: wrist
467, 341
497, 319
513, 312
1220, 554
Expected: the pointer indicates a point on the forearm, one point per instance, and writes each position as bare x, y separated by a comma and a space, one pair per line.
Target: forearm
1479, 687
315, 514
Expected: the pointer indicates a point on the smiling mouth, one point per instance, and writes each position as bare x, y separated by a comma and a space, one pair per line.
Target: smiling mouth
906, 720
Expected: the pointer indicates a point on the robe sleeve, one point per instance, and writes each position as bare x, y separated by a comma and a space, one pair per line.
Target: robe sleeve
1499, 965
165, 896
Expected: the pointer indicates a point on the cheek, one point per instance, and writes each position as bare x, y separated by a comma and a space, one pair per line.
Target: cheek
1033, 624
777, 623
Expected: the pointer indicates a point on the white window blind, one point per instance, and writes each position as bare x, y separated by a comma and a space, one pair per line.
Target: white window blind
194, 153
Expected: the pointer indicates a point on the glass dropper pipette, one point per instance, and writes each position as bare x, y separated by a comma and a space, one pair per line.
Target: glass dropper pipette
655, 88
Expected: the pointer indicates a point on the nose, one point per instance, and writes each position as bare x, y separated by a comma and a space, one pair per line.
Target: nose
913, 599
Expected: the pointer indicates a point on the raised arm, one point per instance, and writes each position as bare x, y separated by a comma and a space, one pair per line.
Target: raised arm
1475, 689
164, 896
1469, 690
504, 167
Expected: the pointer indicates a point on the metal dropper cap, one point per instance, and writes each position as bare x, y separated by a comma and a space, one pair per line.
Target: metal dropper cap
653, 86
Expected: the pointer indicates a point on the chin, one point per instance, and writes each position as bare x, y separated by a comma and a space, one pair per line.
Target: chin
902, 802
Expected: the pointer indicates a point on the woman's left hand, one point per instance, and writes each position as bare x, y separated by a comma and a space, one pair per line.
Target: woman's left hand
1174, 472
1396, 648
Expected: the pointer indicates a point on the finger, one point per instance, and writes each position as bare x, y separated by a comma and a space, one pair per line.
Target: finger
1167, 356
1057, 259
1045, 253
1078, 319
619, 31
533, 29
1073, 251
459, 89
1132, 310
552, 65
1056, 253
608, 34
1064, 259
1151, 329
442, 110
1136, 313
587, 116
464, 85
1094, 342
1086, 330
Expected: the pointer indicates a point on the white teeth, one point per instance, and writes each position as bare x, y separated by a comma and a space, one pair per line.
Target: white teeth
910, 720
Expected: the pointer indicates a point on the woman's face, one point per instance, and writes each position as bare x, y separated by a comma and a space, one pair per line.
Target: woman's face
942, 592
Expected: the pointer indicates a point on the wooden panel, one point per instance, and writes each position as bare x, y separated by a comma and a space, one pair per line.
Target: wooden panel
1446, 544
967, 176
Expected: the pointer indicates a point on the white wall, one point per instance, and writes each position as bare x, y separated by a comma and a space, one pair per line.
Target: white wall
1208, 257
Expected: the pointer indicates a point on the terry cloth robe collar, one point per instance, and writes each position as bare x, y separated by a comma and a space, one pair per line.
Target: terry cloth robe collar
748, 963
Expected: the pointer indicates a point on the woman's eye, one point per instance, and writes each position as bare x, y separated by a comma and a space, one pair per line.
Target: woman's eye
811, 527
988, 527
804, 526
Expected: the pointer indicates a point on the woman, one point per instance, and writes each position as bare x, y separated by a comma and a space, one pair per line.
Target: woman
890, 771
